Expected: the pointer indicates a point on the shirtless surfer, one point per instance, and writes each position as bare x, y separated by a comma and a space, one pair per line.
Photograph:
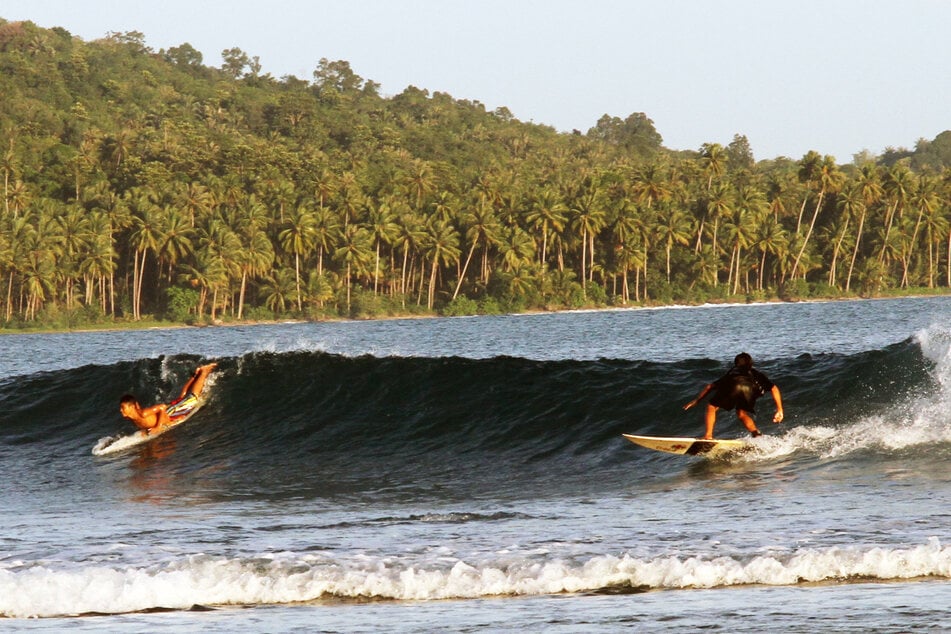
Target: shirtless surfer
156, 416
739, 388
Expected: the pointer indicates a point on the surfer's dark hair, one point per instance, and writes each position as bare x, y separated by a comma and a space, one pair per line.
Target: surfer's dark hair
127, 398
743, 360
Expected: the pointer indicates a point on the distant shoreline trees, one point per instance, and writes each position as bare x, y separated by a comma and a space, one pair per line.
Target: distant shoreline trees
139, 183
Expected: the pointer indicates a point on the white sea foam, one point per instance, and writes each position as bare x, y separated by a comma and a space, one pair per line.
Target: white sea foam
935, 343
885, 433
917, 419
201, 579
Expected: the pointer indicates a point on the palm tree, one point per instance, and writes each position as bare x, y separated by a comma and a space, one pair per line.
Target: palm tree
645, 226
936, 226
769, 238
18, 198
145, 237
706, 266
117, 214
521, 281
869, 184
420, 180
828, 178
42, 249
740, 232
442, 244
277, 290
719, 206
354, 251
517, 249
196, 200
444, 206
326, 233
73, 229
176, 238
320, 289
352, 206
624, 231
251, 213
673, 227
8, 165
298, 237
7, 262
98, 262
282, 192
651, 185
119, 145
588, 217
384, 230
547, 214
926, 200
713, 158
217, 262
482, 226
206, 271
862, 210
850, 205
325, 186
20, 236
255, 258
411, 236
899, 185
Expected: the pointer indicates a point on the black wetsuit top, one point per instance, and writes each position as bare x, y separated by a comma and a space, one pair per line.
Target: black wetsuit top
739, 388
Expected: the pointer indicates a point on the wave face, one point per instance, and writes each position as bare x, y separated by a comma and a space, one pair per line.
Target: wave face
327, 424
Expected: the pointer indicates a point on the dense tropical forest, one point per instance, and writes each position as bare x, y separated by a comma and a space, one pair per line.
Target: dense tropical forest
142, 184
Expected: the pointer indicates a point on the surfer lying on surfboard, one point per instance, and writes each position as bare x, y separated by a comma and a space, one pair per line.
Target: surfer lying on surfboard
156, 416
739, 388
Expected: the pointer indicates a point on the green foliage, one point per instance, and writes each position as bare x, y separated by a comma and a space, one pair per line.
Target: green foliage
461, 306
635, 134
794, 290
597, 296
137, 183
181, 304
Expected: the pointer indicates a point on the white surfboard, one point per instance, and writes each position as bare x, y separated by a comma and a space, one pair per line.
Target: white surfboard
115, 444
689, 446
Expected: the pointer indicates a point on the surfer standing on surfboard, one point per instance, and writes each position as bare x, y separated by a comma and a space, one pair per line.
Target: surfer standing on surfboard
739, 388
149, 418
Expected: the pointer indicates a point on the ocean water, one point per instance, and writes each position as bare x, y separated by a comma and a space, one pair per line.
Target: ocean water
469, 474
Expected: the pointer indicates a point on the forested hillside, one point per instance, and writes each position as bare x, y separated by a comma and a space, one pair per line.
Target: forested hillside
141, 183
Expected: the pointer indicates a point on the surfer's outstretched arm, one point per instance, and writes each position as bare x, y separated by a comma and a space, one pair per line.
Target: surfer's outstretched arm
196, 383
699, 398
778, 399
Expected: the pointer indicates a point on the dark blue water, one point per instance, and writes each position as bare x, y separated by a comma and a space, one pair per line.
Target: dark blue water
479, 461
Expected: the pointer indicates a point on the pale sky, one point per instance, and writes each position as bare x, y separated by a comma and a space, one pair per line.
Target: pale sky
834, 76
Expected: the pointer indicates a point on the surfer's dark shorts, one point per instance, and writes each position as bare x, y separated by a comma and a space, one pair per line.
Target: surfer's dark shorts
739, 395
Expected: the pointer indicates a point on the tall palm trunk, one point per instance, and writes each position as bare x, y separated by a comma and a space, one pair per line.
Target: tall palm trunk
465, 268
835, 252
432, 282
300, 305
812, 224
906, 257
855, 251
890, 216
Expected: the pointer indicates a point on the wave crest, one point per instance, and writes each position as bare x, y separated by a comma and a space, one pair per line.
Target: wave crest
273, 579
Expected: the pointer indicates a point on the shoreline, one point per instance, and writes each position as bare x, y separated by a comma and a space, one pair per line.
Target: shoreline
160, 325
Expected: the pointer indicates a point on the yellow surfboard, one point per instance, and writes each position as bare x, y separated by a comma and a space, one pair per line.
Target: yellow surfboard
115, 444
